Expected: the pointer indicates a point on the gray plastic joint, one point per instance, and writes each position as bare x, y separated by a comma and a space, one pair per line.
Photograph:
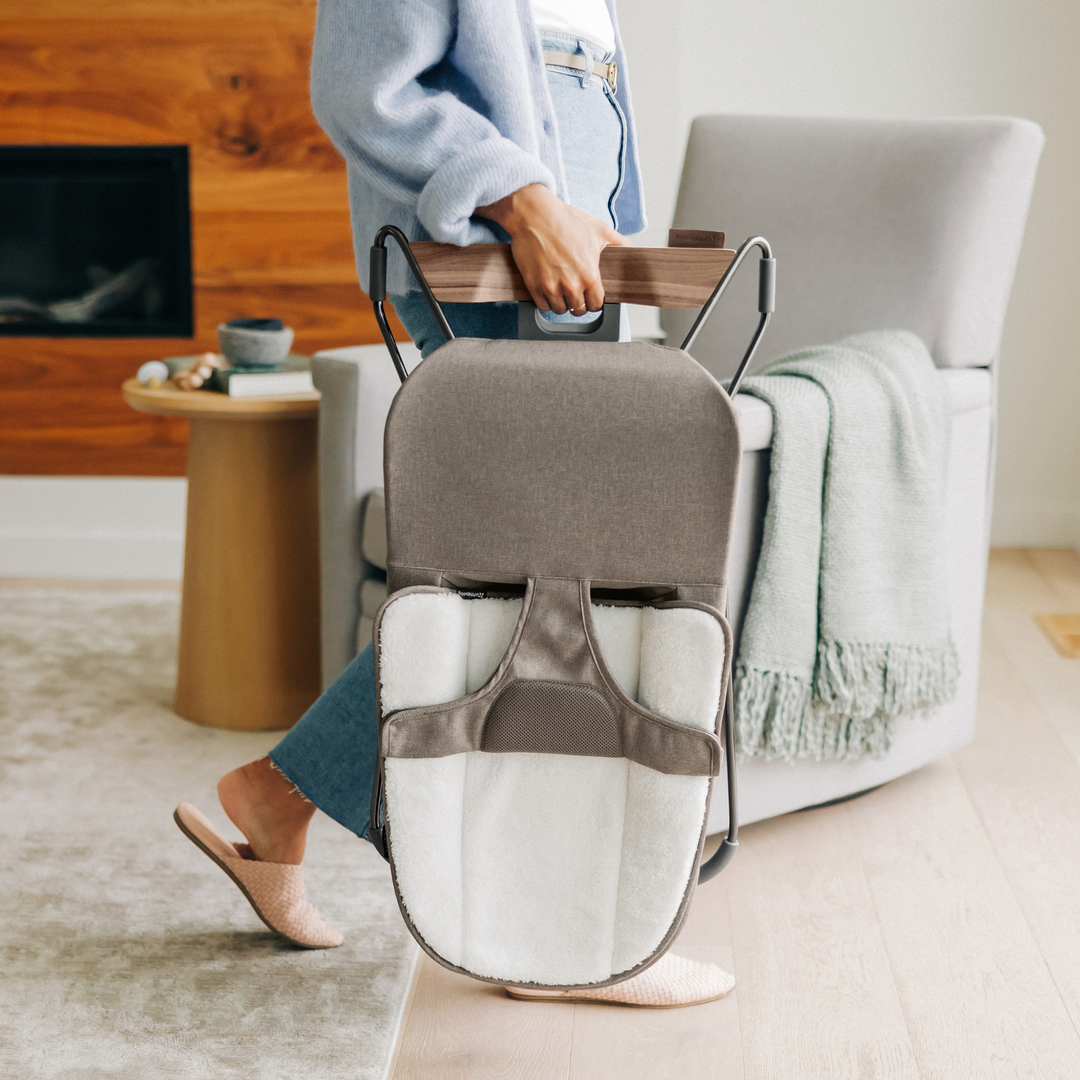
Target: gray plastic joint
722, 856
377, 285
767, 286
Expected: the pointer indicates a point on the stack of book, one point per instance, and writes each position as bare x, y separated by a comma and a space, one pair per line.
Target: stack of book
291, 376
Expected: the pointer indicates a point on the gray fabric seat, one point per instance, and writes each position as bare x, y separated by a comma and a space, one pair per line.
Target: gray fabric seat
876, 225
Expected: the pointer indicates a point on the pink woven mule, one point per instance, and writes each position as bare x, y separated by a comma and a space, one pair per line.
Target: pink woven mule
274, 890
671, 983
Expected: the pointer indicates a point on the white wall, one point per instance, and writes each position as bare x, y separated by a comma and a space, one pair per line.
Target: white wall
92, 527
887, 58
827, 58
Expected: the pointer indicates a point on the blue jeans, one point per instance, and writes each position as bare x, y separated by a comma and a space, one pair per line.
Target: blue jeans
332, 751
331, 754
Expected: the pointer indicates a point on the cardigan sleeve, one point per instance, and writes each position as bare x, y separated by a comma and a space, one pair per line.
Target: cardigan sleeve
422, 147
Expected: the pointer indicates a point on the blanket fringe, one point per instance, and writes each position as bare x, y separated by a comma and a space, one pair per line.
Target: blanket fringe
859, 681
769, 710
833, 735
858, 690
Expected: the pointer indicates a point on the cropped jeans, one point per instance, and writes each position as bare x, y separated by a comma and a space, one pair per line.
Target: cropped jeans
331, 754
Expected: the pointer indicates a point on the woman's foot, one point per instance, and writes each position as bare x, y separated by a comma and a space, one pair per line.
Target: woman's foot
274, 890
267, 808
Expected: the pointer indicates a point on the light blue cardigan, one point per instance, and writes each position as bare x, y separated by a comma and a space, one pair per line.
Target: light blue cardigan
440, 106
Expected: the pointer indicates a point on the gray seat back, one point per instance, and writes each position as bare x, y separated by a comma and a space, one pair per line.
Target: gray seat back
510, 460
876, 224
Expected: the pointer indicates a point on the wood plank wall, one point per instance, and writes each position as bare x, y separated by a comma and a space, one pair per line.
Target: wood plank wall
269, 208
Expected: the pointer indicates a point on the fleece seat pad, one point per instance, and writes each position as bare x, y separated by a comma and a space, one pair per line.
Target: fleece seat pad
545, 765
542, 868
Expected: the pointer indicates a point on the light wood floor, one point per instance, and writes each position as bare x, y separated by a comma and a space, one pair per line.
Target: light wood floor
930, 929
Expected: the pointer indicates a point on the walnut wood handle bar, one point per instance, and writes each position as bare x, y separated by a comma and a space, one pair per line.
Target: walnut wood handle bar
660, 277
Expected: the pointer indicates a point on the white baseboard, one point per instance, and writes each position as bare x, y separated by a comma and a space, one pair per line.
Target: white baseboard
1019, 523
123, 527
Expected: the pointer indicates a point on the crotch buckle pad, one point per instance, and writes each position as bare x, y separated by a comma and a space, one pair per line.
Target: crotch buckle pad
553, 692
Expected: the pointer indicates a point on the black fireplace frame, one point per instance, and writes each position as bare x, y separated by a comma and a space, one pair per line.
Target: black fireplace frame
173, 161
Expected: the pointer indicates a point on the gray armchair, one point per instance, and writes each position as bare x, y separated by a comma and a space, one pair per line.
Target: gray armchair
357, 385
875, 224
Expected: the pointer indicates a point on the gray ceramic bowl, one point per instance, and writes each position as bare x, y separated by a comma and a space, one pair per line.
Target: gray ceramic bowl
244, 347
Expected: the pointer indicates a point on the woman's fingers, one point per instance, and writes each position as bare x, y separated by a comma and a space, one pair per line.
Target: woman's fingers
593, 298
569, 292
560, 295
556, 302
556, 247
574, 298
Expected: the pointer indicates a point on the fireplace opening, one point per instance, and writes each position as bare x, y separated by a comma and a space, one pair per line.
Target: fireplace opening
95, 241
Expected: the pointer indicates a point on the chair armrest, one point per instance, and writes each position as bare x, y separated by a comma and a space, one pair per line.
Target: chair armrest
357, 385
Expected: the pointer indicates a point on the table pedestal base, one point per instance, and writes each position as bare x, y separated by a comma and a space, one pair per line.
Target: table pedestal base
249, 625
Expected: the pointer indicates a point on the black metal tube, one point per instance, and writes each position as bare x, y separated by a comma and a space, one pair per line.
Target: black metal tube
377, 275
378, 291
391, 344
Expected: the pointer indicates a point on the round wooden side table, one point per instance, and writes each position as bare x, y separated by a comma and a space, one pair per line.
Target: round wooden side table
249, 620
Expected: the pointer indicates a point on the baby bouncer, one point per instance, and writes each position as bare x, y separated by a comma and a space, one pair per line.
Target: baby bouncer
553, 660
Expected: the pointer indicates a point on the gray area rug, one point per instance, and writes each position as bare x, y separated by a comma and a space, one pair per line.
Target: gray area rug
124, 952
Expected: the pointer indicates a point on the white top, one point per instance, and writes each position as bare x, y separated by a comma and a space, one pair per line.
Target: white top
587, 19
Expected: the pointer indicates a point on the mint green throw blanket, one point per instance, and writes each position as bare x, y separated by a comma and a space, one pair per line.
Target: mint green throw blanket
848, 624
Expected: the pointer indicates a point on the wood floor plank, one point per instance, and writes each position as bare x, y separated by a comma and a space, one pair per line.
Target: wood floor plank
460, 1029
1052, 680
1013, 598
816, 994
1060, 569
699, 1043
978, 999
1012, 584
1026, 790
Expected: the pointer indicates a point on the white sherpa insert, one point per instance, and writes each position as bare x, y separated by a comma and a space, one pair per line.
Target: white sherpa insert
544, 868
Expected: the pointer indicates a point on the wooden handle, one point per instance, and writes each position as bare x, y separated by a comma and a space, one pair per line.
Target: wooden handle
660, 277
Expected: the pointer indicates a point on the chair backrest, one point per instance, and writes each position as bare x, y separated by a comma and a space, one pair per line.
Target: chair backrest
515, 460
875, 224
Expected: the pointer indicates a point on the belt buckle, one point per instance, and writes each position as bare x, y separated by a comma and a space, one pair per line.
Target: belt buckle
612, 76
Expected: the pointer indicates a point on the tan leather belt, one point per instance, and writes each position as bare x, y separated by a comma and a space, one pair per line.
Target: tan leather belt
607, 72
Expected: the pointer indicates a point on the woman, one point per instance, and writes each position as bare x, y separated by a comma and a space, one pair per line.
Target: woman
473, 121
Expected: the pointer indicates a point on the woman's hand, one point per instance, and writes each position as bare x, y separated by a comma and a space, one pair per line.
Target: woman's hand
556, 248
